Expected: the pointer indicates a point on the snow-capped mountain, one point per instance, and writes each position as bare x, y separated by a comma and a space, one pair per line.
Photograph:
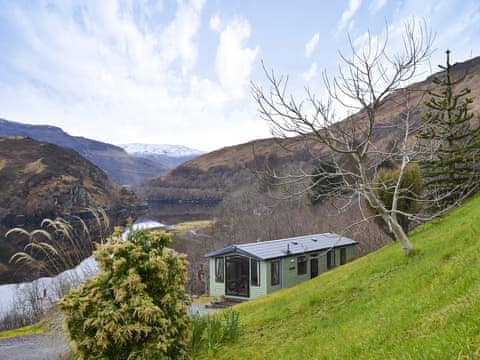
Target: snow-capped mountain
169, 155
160, 149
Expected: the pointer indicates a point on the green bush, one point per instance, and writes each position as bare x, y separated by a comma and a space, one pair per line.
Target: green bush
136, 308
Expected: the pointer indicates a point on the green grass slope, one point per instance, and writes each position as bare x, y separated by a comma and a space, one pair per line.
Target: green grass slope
37, 328
382, 306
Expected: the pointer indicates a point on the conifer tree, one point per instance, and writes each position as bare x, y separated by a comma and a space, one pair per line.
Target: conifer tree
135, 308
451, 140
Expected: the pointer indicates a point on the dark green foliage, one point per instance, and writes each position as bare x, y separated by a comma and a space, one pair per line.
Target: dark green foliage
136, 308
411, 188
211, 331
450, 171
325, 181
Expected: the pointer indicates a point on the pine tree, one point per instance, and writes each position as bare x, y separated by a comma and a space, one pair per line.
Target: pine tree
135, 308
451, 170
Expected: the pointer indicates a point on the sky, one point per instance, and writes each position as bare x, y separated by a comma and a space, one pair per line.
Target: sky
180, 72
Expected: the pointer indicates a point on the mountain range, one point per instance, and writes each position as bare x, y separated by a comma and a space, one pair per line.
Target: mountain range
236, 168
165, 154
138, 164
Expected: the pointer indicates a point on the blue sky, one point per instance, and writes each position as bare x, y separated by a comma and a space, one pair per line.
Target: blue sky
179, 72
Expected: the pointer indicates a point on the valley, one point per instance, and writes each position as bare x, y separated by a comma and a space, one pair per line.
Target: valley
209, 186
335, 213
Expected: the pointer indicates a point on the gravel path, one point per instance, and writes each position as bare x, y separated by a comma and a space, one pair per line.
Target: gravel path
34, 347
53, 345
200, 309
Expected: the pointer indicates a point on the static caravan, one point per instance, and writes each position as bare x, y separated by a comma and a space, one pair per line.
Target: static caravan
247, 271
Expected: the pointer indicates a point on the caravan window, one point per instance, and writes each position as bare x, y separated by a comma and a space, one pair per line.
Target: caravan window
343, 256
255, 272
331, 259
275, 272
219, 270
301, 265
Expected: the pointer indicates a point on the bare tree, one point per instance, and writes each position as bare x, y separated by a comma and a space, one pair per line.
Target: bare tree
364, 81
253, 217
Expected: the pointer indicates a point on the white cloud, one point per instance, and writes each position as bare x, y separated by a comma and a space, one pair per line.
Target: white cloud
353, 6
120, 72
456, 33
178, 37
234, 60
215, 23
311, 45
311, 73
376, 6
119, 76
361, 41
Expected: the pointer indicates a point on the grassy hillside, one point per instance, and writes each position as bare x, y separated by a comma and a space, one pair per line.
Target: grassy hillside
381, 306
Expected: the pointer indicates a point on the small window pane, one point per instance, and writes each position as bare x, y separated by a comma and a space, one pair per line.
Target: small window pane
219, 270
343, 256
275, 273
255, 272
331, 259
301, 265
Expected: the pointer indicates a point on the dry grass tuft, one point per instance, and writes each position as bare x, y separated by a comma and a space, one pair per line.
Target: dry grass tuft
35, 167
62, 243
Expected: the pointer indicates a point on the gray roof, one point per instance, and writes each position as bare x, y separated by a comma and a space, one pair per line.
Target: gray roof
286, 247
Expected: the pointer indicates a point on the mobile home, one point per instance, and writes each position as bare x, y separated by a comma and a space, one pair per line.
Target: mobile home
247, 271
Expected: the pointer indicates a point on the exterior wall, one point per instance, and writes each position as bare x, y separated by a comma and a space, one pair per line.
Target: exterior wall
288, 272
322, 262
256, 291
288, 269
352, 252
218, 289
268, 273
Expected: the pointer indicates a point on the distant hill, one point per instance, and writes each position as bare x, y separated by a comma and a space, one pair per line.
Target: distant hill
382, 306
39, 180
168, 155
119, 166
232, 169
